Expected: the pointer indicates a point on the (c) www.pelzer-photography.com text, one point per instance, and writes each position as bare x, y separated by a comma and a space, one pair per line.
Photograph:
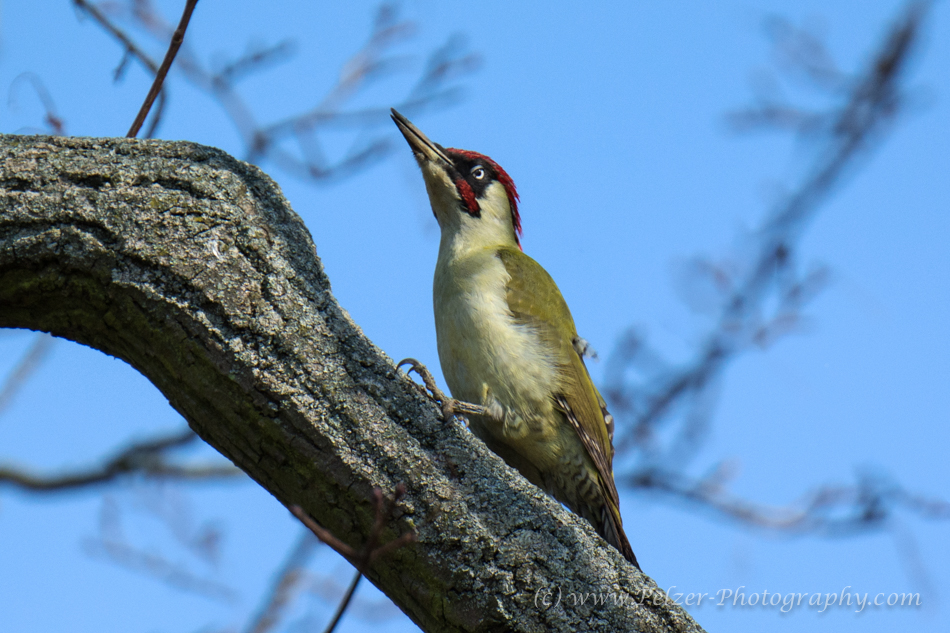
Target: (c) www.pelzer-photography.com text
740, 597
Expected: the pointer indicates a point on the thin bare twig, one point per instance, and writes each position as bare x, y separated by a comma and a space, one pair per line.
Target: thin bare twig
50, 117
344, 603
372, 549
29, 362
177, 38
364, 557
828, 511
146, 458
370, 64
201, 541
131, 48
160, 568
283, 590
770, 277
760, 298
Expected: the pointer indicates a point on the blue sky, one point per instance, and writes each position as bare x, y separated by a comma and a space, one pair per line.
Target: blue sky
610, 118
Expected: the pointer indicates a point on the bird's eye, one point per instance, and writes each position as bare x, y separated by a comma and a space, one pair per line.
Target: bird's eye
478, 172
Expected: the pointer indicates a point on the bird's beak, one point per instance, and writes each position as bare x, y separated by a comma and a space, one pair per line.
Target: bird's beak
422, 147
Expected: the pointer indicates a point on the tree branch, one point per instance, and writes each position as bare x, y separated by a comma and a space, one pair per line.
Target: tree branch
375, 61
146, 458
831, 510
765, 296
192, 267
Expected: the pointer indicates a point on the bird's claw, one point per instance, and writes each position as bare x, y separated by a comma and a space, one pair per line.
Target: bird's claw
450, 406
428, 380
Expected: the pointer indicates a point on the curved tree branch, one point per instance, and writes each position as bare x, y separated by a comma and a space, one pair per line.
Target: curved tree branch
191, 266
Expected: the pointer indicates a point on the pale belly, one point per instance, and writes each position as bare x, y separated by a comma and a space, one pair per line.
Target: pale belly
489, 359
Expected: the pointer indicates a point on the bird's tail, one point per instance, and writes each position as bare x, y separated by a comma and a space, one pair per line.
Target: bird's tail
611, 528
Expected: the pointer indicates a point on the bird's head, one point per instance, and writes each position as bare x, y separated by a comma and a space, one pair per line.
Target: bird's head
472, 197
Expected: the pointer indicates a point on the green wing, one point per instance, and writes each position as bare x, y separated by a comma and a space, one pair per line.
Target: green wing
535, 301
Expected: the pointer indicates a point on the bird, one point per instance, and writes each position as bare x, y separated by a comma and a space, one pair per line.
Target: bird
507, 341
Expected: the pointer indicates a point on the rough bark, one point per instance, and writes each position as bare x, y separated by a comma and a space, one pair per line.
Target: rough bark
191, 266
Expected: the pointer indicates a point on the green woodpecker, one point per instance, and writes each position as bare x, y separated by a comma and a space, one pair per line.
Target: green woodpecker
507, 340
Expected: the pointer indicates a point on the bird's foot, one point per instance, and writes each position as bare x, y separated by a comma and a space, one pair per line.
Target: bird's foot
450, 406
